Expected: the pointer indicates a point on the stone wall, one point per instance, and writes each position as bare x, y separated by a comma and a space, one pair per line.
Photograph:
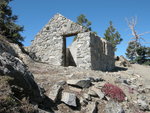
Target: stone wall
92, 52
49, 43
102, 54
83, 50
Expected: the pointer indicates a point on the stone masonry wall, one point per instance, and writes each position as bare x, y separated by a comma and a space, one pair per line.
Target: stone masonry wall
92, 52
49, 45
83, 50
102, 55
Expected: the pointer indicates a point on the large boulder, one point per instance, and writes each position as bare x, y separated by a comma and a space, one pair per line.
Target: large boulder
15, 68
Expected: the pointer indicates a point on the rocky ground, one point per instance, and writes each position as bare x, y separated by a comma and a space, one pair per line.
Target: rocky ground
75, 90
27, 86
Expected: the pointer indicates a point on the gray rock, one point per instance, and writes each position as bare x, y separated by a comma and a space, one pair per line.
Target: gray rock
87, 97
143, 105
92, 108
82, 83
83, 102
69, 99
95, 79
99, 84
98, 92
54, 93
92, 93
113, 107
14, 67
123, 80
61, 82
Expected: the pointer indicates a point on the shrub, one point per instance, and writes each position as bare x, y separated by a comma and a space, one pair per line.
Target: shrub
113, 92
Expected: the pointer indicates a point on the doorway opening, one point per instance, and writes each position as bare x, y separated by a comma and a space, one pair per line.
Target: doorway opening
67, 51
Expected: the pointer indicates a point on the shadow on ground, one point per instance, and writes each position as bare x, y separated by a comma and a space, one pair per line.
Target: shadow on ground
117, 68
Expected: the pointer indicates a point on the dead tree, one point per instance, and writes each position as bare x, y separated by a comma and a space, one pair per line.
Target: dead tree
136, 37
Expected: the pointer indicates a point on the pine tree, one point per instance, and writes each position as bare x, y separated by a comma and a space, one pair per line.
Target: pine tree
83, 21
8, 27
112, 36
131, 51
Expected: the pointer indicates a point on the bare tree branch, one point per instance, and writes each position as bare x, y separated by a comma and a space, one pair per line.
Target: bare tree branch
143, 33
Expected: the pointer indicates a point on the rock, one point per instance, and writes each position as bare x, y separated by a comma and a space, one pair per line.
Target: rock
91, 79
54, 93
98, 92
82, 83
143, 105
75, 89
83, 102
61, 82
99, 84
87, 97
99, 79
92, 93
15, 68
123, 80
92, 108
113, 107
95, 79
69, 99
6, 47
124, 62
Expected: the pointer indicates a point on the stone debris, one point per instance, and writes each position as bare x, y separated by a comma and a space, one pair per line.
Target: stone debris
82, 83
123, 80
95, 79
113, 107
92, 107
98, 92
61, 82
83, 102
54, 92
143, 105
87, 97
123, 61
69, 99
92, 93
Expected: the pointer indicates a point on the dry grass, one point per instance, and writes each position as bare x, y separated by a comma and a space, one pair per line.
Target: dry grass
9, 103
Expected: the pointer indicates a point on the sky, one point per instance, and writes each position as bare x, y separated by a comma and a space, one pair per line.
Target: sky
34, 14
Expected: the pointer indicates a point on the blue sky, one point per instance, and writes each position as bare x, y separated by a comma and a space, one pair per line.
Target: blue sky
34, 14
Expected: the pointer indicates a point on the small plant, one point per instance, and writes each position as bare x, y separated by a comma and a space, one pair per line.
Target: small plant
113, 92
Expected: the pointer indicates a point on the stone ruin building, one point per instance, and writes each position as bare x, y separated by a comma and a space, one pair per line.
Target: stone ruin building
89, 51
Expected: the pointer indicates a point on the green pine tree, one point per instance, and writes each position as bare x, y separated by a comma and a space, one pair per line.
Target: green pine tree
138, 53
83, 21
112, 36
131, 50
8, 27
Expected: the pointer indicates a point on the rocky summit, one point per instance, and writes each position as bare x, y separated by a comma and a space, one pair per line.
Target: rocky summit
31, 83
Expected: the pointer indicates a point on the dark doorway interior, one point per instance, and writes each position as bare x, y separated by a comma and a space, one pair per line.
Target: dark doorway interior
68, 58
